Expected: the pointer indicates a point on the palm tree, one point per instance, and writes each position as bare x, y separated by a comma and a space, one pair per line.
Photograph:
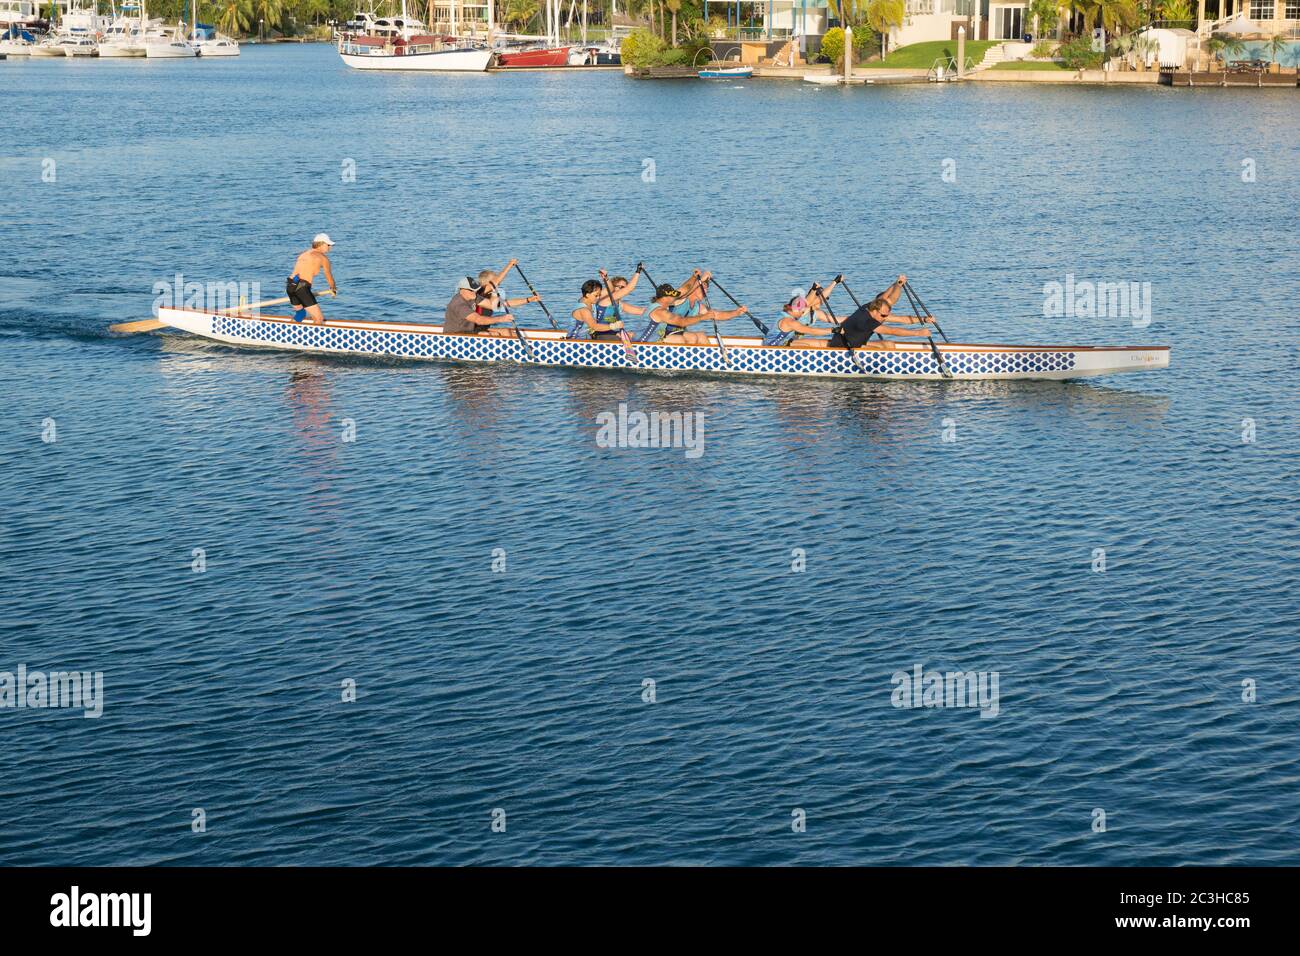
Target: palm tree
520, 13
674, 6
1276, 47
269, 12
1220, 46
848, 12
234, 16
884, 15
1113, 16
1177, 11
1045, 14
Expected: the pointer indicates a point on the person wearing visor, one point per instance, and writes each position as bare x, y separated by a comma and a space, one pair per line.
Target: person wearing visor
799, 319
676, 328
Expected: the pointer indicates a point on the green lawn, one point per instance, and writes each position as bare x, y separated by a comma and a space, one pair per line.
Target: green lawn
1029, 65
921, 56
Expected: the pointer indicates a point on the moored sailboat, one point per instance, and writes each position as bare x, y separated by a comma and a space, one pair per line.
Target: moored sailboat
400, 47
532, 57
125, 34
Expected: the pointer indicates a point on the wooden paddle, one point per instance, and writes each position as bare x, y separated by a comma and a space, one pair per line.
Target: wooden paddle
922, 310
550, 318
826, 302
519, 333
149, 325
704, 297
618, 317
753, 318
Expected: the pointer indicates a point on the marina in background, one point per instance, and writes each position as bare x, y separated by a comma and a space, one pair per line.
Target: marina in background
1237, 43
78, 29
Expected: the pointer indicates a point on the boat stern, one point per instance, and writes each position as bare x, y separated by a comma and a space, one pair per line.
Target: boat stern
188, 320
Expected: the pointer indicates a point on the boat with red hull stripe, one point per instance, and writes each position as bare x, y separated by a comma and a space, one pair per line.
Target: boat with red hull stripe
536, 57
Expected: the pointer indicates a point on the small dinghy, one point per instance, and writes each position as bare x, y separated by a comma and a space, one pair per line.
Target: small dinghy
726, 73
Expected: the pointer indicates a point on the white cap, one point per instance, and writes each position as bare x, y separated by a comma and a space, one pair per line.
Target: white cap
324, 238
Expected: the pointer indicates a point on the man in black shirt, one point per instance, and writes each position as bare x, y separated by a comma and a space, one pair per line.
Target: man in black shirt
862, 323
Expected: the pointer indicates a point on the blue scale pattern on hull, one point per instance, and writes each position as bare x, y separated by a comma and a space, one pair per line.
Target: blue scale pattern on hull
585, 354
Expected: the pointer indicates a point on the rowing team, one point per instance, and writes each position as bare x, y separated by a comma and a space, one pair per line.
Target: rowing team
600, 313
478, 306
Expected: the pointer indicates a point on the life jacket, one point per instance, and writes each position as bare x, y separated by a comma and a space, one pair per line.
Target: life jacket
653, 331
580, 329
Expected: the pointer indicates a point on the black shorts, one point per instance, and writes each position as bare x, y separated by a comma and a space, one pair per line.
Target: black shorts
856, 338
604, 336
299, 293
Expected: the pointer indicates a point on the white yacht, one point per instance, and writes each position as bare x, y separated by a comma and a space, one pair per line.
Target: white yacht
211, 43
218, 46
20, 15
125, 36
48, 46
168, 48
78, 44
16, 42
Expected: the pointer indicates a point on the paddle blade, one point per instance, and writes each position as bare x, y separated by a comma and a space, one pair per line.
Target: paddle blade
144, 325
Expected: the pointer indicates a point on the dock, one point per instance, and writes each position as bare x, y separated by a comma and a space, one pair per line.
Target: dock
1256, 78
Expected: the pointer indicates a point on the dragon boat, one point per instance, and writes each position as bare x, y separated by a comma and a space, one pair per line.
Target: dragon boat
724, 355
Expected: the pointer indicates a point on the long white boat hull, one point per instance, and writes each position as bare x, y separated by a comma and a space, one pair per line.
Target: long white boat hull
46, 49
441, 61
121, 50
743, 355
169, 50
15, 48
210, 48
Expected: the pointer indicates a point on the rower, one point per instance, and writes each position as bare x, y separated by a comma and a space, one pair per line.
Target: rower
872, 317
676, 326
622, 288
589, 316
472, 310
792, 325
654, 331
817, 294
298, 285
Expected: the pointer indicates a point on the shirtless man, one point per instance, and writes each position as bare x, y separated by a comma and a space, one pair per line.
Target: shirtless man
298, 285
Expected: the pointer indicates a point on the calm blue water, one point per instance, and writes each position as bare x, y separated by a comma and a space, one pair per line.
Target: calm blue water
371, 560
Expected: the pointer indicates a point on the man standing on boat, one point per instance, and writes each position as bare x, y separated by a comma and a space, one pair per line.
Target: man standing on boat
472, 310
298, 286
871, 318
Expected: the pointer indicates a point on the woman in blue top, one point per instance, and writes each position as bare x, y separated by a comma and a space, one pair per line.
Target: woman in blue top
800, 315
621, 288
677, 327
